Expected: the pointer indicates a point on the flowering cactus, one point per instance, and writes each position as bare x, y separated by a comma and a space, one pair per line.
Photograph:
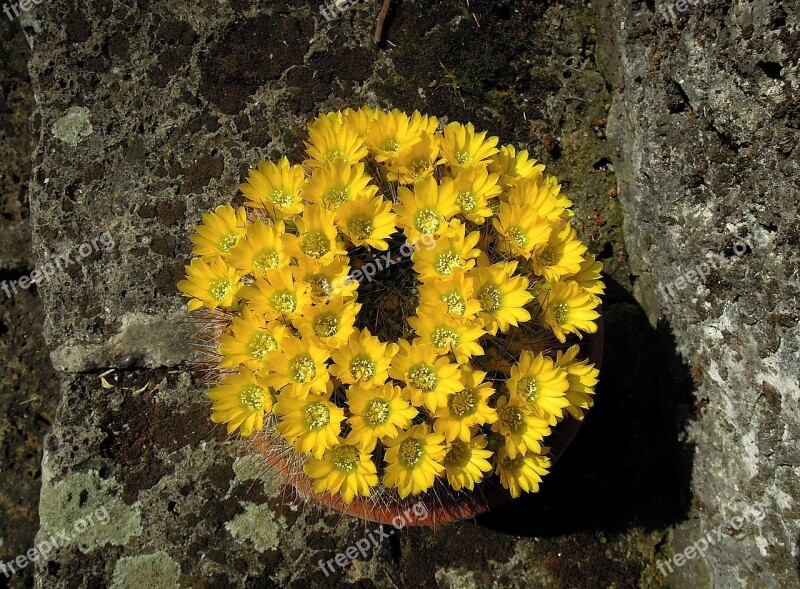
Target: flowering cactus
396, 310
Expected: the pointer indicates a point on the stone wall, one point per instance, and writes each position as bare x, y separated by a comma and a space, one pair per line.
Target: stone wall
706, 124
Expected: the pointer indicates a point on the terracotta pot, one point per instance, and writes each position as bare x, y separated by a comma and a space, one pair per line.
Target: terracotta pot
442, 504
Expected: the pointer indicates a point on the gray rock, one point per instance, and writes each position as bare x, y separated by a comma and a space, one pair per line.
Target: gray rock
705, 121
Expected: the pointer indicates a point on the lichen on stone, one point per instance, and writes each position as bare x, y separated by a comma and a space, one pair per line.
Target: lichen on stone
151, 571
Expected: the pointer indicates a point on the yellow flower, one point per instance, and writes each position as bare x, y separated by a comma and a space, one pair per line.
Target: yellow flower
454, 295
426, 210
364, 358
416, 163
359, 120
429, 378
588, 276
522, 473
326, 280
275, 188
367, 221
219, 231
463, 148
522, 429
325, 120
298, 365
567, 308
240, 400
466, 461
447, 334
513, 166
466, 408
210, 284
337, 182
561, 255
452, 250
277, 294
424, 123
502, 295
541, 197
331, 139
535, 380
582, 378
521, 229
414, 460
378, 412
474, 187
344, 469
249, 340
330, 324
260, 250
391, 134
317, 237
312, 423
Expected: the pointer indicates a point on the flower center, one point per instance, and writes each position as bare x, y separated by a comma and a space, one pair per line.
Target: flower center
512, 418
443, 337
376, 413
456, 305
261, 343
518, 235
462, 157
446, 261
266, 260
390, 145
283, 302
303, 369
317, 415
333, 154
281, 198
528, 389
419, 167
362, 367
335, 197
220, 288
345, 458
320, 285
547, 257
410, 452
423, 377
360, 227
513, 464
490, 298
326, 325
463, 403
467, 201
561, 312
314, 244
228, 241
427, 221
251, 397
458, 455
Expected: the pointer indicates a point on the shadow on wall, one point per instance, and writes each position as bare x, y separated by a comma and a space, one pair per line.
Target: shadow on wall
627, 466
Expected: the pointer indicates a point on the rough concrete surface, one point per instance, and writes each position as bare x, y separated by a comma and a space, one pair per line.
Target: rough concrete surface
148, 113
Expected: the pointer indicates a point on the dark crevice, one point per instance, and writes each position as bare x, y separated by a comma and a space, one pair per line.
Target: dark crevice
678, 99
771, 69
